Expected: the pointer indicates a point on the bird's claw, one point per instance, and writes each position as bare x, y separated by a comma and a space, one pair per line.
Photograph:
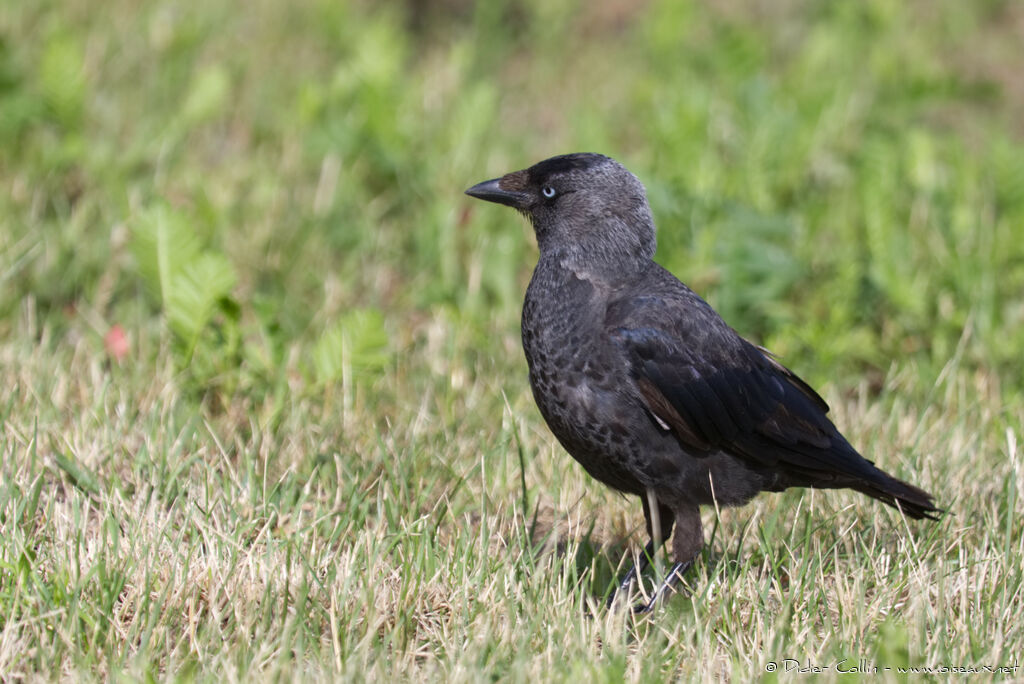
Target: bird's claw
666, 588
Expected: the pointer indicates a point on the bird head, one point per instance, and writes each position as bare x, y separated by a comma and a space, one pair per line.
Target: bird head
586, 208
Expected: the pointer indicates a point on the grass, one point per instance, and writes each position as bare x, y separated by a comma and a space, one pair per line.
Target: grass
317, 457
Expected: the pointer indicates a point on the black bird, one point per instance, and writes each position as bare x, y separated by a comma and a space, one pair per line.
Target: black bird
643, 382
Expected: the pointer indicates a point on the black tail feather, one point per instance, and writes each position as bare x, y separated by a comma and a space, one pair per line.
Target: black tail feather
913, 501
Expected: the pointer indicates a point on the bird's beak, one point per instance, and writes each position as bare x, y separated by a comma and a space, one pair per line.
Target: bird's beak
492, 191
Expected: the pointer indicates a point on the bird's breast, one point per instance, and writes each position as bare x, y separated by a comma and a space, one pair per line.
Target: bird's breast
563, 316
578, 379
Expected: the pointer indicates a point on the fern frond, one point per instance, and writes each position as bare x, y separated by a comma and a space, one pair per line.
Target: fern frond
356, 343
163, 243
195, 294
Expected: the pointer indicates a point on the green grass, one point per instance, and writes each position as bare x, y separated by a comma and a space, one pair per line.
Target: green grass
319, 457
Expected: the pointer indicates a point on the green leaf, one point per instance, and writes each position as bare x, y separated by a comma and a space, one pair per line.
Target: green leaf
357, 343
208, 96
62, 79
80, 476
163, 243
195, 293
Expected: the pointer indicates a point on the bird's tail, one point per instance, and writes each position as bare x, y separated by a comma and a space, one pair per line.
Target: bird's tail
913, 501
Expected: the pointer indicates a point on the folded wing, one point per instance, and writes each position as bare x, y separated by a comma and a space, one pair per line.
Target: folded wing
718, 392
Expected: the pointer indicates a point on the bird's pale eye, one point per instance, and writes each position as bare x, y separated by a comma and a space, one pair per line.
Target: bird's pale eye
547, 191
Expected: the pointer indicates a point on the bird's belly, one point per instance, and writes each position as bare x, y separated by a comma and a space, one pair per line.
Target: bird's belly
595, 424
620, 444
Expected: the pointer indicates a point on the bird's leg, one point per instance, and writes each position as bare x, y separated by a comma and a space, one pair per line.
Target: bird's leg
660, 520
686, 545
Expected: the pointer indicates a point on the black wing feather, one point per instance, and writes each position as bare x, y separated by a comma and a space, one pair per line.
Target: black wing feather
718, 392
723, 392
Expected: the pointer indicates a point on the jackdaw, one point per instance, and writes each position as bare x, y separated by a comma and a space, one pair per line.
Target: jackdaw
643, 382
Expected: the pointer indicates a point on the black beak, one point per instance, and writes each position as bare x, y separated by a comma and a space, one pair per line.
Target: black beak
491, 191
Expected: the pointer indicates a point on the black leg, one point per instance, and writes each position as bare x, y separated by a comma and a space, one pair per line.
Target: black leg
666, 519
634, 572
665, 522
668, 585
686, 545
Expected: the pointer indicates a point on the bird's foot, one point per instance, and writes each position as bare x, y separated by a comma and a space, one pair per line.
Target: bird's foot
624, 585
667, 587
634, 572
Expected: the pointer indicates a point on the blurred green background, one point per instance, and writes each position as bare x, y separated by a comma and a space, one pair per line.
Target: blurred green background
275, 181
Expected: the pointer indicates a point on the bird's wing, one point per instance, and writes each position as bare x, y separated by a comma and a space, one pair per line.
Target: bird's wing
718, 392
